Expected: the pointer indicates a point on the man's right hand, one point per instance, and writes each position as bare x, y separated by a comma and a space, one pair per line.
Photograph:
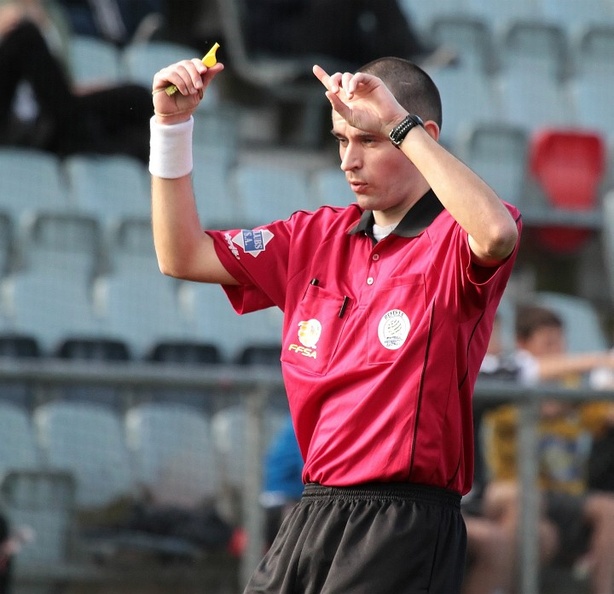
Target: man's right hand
191, 77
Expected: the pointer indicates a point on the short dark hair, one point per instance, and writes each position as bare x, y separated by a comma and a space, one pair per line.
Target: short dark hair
531, 317
412, 87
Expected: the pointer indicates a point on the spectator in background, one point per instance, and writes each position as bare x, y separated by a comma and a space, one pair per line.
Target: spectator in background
346, 32
6, 554
63, 119
283, 483
577, 525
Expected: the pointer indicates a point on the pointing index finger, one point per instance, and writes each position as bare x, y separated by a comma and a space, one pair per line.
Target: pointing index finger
325, 79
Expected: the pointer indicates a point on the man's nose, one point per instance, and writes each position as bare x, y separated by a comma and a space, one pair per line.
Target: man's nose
351, 158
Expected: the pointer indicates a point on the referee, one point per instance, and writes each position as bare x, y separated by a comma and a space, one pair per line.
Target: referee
388, 306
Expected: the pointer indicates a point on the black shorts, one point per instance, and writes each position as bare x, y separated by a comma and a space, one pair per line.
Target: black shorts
375, 539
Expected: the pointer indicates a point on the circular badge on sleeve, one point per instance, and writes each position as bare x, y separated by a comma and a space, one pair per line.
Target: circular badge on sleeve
393, 329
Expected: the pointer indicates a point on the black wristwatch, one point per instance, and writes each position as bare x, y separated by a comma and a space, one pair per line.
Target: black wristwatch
398, 133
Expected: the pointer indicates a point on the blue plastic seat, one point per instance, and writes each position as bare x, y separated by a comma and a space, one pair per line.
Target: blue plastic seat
108, 186
93, 60
87, 440
173, 453
31, 179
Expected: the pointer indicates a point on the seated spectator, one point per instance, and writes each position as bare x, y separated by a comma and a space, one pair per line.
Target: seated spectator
348, 32
65, 119
577, 525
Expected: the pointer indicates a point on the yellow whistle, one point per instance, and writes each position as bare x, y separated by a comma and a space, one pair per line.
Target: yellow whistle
208, 60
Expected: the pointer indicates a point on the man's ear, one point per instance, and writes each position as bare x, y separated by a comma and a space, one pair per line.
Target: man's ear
432, 128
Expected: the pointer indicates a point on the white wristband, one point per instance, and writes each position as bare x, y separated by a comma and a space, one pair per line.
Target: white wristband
170, 149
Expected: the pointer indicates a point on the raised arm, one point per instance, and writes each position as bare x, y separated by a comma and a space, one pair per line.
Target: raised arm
365, 102
183, 249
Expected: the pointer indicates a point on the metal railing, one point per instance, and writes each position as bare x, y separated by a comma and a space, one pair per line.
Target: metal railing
257, 383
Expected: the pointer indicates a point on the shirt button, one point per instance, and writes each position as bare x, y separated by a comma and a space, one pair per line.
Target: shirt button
375, 257
370, 280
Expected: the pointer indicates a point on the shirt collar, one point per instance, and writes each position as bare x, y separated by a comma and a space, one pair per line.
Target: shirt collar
416, 220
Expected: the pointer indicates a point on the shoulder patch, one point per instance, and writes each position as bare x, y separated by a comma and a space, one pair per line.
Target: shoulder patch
253, 241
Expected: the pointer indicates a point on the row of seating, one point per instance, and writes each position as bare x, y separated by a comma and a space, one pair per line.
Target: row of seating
528, 81
65, 276
228, 191
107, 198
140, 309
165, 454
571, 14
532, 73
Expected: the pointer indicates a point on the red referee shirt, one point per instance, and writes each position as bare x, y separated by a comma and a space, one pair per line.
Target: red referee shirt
382, 342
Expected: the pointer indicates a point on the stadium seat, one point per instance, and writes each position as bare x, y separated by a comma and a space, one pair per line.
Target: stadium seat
173, 453
468, 96
470, 37
31, 179
40, 508
260, 354
18, 346
568, 166
216, 202
422, 14
229, 430
533, 75
49, 295
593, 83
535, 44
219, 129
329, 187
139, 309
134, 301
583, 329
87, 440
94, 349
69, 244
6, 243
93, 60
108, 186
186, 352
574, 15
48, 306
499, 13
208, 314
190, 352
498, 153
18, 447
269, 192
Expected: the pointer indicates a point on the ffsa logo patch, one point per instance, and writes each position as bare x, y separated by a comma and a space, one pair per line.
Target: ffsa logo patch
253, 242
309, 332
393, 329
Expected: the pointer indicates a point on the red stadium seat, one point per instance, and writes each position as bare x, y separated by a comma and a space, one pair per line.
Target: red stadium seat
568, 165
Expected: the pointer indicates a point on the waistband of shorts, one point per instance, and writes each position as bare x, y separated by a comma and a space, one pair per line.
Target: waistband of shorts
385, 491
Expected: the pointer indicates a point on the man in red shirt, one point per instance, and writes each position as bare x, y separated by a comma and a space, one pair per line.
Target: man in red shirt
388, 306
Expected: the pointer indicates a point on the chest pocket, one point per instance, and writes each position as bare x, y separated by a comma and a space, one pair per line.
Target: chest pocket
395, 317
315, 330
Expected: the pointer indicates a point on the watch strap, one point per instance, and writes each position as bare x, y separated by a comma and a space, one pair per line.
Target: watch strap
399, 132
